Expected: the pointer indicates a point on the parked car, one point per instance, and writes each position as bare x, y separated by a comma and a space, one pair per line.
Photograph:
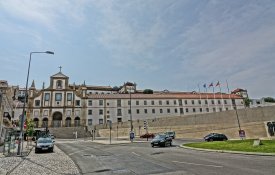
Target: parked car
148, 135
161, 140
44, 144
215, 137
171, 134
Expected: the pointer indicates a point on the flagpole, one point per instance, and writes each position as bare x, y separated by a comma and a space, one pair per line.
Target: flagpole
221, 97
218, 84
214, 98
205, 88
200, 94
229, 95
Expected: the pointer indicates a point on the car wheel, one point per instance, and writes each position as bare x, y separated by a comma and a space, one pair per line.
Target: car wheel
170, 143
152, 145
211, 140
36, 151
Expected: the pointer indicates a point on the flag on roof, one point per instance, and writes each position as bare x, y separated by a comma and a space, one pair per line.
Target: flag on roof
210, 85
218, 83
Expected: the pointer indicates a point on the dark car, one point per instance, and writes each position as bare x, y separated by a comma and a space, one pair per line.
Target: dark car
215, 137
171, 134
44, 144
161, 140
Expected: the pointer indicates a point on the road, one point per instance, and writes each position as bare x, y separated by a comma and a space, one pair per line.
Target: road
141, 158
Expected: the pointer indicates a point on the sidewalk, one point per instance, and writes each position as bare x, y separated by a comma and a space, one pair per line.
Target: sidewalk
120, 140
13, 151
8, 163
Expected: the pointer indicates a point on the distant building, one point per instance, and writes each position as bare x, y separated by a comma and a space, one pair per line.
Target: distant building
260, 103
65, 105
241, 92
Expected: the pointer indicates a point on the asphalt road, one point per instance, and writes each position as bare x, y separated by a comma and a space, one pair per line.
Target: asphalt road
141, 158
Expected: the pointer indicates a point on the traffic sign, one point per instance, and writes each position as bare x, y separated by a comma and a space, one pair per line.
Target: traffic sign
241, 133
145, 124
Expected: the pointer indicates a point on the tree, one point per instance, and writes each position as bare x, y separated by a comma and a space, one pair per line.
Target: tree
269, 100
30, 126
247, 102
148, 91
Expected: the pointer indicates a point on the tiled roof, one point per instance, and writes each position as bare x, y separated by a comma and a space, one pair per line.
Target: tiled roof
238, 90
165, 96
109, 88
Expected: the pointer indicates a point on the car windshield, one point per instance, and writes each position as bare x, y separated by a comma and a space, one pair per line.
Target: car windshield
160, 137
44, 141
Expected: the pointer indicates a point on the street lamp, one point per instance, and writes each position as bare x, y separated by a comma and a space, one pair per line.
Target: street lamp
131, 112
19, 152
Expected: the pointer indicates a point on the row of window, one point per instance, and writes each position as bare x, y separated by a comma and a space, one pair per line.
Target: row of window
37, 103
153, 111
58, 98
160, 102
100, 121
46, 113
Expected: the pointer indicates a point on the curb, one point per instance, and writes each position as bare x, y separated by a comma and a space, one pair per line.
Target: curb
226, 151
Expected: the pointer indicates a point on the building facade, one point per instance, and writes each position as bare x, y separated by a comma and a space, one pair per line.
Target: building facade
68, 105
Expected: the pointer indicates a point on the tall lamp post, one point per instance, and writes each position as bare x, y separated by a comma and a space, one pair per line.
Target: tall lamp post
19, 152
131, 111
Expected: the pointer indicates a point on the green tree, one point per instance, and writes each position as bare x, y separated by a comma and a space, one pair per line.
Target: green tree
148, 91
30, 127
247, 102
269, 99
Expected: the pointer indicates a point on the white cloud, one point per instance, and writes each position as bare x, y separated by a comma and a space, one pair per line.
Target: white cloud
130, 42
46, 13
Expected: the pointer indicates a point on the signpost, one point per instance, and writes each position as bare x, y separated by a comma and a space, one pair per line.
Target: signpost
132, 136
242, 134
146, 127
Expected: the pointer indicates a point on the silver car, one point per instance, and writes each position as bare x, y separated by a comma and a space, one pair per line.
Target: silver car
44, 144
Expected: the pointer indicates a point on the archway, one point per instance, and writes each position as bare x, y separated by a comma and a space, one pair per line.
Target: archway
45, 122
35, 122
68, 122
77, 121
57, 119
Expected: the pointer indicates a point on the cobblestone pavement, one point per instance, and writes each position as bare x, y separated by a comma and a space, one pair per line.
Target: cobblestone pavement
39, 164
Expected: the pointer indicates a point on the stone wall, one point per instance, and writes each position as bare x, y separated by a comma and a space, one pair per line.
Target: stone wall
196, 126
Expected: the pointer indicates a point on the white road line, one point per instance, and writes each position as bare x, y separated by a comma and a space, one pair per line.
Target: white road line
189, 163
136, 154
80, 151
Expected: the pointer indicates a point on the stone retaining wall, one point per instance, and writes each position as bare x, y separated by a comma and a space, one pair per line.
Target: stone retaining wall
196, 126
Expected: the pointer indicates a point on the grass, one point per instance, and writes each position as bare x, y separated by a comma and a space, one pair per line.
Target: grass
268, 146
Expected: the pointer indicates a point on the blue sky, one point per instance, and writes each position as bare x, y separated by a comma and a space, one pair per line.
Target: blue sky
159, 44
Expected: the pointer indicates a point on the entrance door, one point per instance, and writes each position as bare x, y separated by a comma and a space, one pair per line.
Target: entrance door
68, 122
57, 120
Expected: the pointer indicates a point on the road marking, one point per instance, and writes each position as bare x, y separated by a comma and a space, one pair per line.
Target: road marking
189, 163
136, 154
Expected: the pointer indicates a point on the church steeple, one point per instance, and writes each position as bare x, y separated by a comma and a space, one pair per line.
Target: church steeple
33, 84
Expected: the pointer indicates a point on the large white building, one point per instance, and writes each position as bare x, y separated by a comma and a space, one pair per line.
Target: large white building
64, 105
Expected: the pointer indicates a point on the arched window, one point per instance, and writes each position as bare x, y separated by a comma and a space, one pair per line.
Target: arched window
59, 84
